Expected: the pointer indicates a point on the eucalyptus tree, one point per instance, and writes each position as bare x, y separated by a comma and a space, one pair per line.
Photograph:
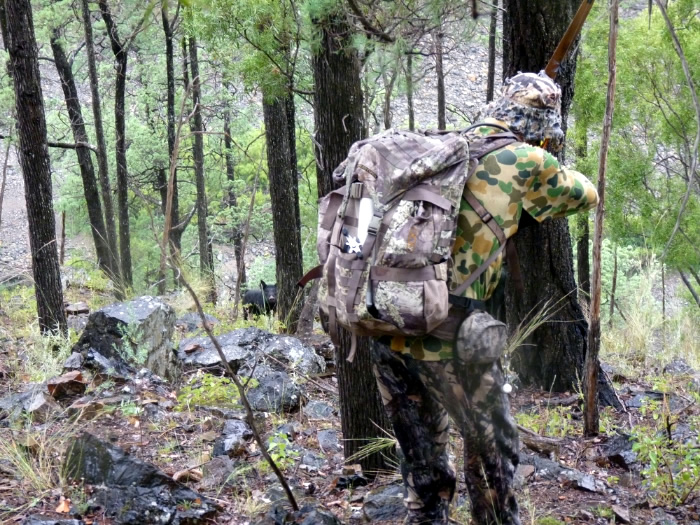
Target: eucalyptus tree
120, 49
64, 66
269, 35
652, 148
20, 40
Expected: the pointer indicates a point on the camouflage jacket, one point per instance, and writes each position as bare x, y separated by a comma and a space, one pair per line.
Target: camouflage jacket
516, 177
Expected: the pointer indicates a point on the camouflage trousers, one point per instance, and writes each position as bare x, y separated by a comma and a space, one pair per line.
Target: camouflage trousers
418, 397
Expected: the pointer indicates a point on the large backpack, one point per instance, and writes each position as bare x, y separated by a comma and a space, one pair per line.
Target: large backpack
385, 238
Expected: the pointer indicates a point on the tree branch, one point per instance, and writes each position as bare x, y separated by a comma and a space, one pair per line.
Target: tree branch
367, 25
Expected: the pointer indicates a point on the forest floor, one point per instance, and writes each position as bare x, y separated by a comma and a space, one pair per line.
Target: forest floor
568, 479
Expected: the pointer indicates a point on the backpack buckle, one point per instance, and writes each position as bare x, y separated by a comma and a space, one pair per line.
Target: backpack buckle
374, 225
356, 190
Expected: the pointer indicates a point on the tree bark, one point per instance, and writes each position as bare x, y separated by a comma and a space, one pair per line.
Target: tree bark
231, 199
555, 355
440, 74
582, 252
338, 122
409, 91
102, 164
591, 420
284, 198
4, 173
34, 160
121, 57
206, 249
689, 285
491, 75
614, 286
176, 233
87, 171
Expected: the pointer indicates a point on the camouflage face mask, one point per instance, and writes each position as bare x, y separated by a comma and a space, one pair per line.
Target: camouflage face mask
531, 105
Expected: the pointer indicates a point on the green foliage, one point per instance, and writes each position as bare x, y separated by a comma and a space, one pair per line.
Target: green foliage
551, 422
131, 349
654, 127
671, 467
281, 451
207, 390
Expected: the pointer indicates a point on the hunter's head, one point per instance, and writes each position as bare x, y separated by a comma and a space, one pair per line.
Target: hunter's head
531, 106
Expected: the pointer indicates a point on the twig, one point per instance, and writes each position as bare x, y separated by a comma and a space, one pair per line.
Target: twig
244, 399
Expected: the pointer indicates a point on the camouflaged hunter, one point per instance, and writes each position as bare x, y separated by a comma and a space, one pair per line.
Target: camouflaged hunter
445, 237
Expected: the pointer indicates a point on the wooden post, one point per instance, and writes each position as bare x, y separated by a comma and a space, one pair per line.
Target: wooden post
591, 416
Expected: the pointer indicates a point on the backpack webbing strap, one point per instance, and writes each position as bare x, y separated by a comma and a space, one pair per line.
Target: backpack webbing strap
485, 216
476, 273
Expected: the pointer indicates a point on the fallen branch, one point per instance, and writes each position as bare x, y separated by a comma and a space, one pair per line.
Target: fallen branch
541, 444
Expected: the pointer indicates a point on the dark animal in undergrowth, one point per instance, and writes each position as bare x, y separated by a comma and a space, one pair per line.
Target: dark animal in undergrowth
261, 300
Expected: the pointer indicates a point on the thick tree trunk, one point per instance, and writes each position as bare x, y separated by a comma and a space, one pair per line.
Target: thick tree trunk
121, 58
440, 74
87, 171
284, 198
102, 163
206, 250
34, 159
338, 119
491, 75
409, 91
338, 122
554, 357
231, 199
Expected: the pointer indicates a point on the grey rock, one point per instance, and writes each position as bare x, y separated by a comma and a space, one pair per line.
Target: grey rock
233, 439
34, 402
217, 472
146, 319
291, 430
662, 518
385, 504
276, 392
645, 397
319, 410
328, 441
320, 517
619, 451
679, 367
246, 348
545, 469
74, 361
312, 460
130, 490
191, 322
37, 519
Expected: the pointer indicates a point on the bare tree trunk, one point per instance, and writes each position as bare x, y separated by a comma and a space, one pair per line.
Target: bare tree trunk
440, 73
4, 174
338, 122
554, 356
87, 171
176, 233
102, 163
694, 274
690, 287
34, 158
62, 253
591, 417
491, 76
206, 250
613, 287
409, 91
582, 251
389, 82
286, 219
121, 57
231, 199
